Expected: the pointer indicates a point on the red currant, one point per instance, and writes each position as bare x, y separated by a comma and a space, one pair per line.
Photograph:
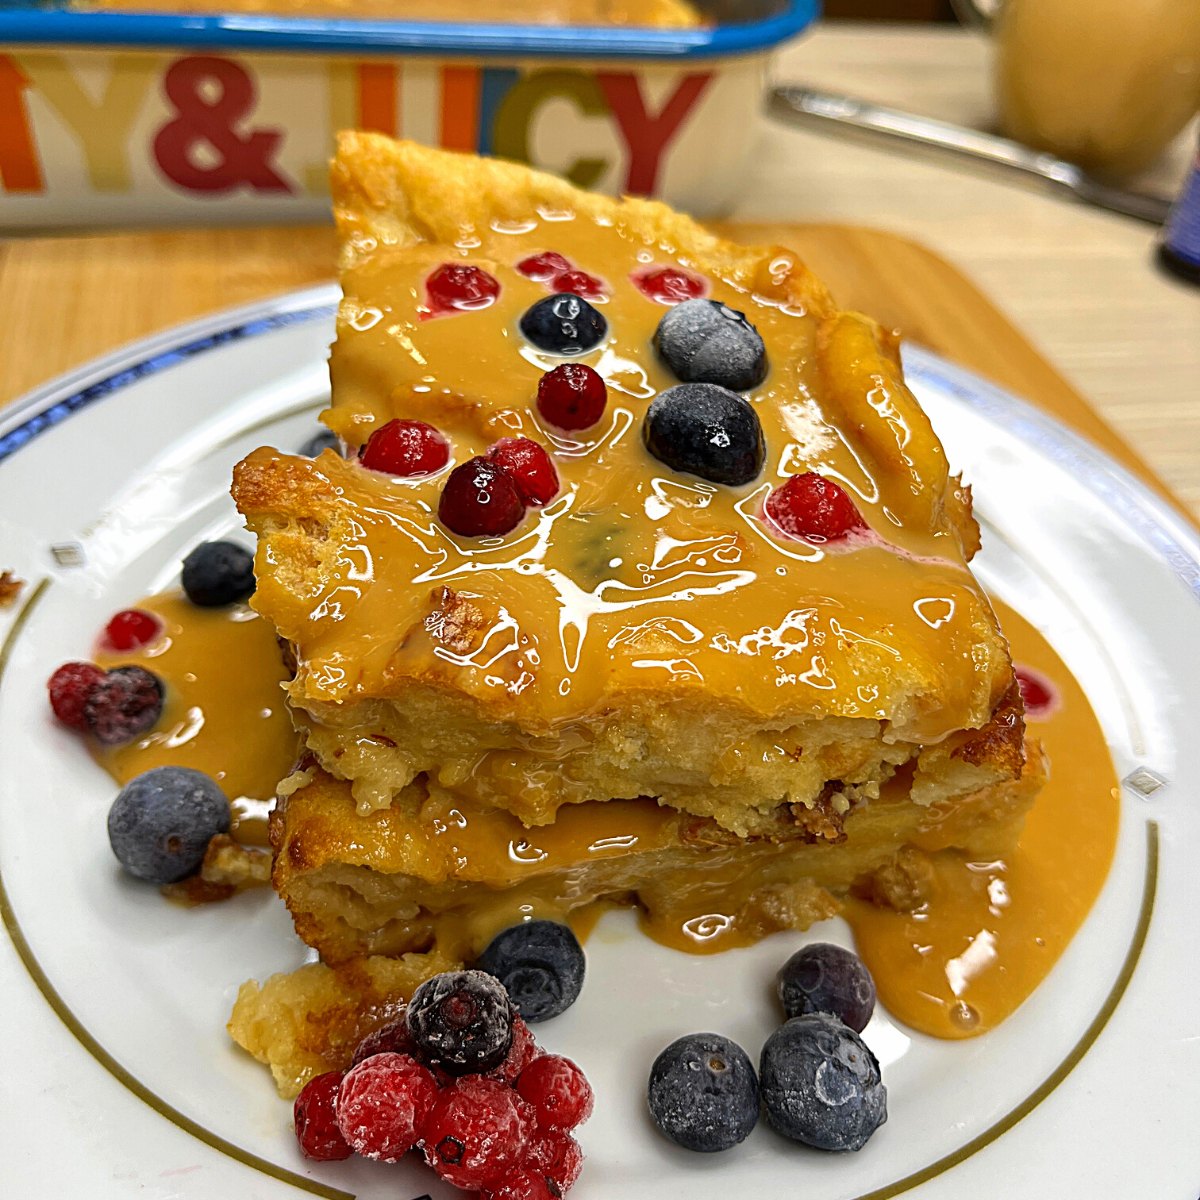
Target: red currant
813, 507
480, 499
461, 287
669, 285
70, 687
558, 1157
131, 628
529, 467
557, 1091
543, 267
1038, 694
315, 1120
581, 283
572, 396
521, 1053
477, 1133
383, 1103
405, 448
521, 1184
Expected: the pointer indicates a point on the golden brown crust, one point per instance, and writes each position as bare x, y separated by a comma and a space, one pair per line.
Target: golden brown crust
1000, 744
781, 689
408, 877
401, 194
308, 1021
10, 588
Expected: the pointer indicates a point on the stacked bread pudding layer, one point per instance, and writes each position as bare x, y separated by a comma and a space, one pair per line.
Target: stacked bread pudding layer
646, 690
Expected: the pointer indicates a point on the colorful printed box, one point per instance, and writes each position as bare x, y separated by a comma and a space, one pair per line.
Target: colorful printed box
236, 125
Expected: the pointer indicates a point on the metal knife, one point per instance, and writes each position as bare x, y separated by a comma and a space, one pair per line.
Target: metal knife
832, 112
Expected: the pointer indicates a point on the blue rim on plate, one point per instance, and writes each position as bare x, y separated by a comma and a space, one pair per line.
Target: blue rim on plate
1169, 535
45, 25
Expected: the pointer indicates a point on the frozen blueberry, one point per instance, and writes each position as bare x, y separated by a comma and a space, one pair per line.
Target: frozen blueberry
703, 1092
705, 430
821, 1085
218, 573
325, 440
564, 324
123, 705
541, 965
704, 341
461, 1021
829, 979
161, 822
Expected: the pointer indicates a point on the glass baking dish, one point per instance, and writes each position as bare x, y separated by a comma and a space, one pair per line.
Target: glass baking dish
111, 117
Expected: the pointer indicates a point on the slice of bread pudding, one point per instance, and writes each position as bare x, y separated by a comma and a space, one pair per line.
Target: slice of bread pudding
647, 631
432, 872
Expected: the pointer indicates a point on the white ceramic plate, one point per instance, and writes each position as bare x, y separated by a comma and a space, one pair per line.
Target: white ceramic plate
117, 1077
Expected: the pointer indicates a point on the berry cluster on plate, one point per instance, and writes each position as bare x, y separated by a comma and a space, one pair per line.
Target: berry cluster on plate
460, 1079
162, 821
817, 1079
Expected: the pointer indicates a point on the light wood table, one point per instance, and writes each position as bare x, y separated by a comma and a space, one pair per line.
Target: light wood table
1078, 282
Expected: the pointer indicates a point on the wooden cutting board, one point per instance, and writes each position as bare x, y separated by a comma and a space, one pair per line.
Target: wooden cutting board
66, 300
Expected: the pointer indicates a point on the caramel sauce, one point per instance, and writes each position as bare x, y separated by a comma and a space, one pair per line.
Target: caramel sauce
956, 967
480, 871
992, 931
635, 581
224, 712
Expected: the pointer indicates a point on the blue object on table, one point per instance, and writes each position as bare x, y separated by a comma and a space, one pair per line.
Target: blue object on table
770, 23
1179, 249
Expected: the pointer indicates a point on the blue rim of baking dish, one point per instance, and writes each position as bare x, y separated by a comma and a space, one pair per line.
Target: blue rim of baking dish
50, 26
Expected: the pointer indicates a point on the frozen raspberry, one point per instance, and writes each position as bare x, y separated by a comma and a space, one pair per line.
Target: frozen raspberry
669, 285
543, 267
480, 500
123, 705
131, 628
391, 1038
461, 1021
478, 1131
521, 1053
558, 1157
461, 287
383, 1103
581, 283
70, 687
572, 396
529, 466
557, 1092
405, 448
810, 506
522, 1184
316, 1122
